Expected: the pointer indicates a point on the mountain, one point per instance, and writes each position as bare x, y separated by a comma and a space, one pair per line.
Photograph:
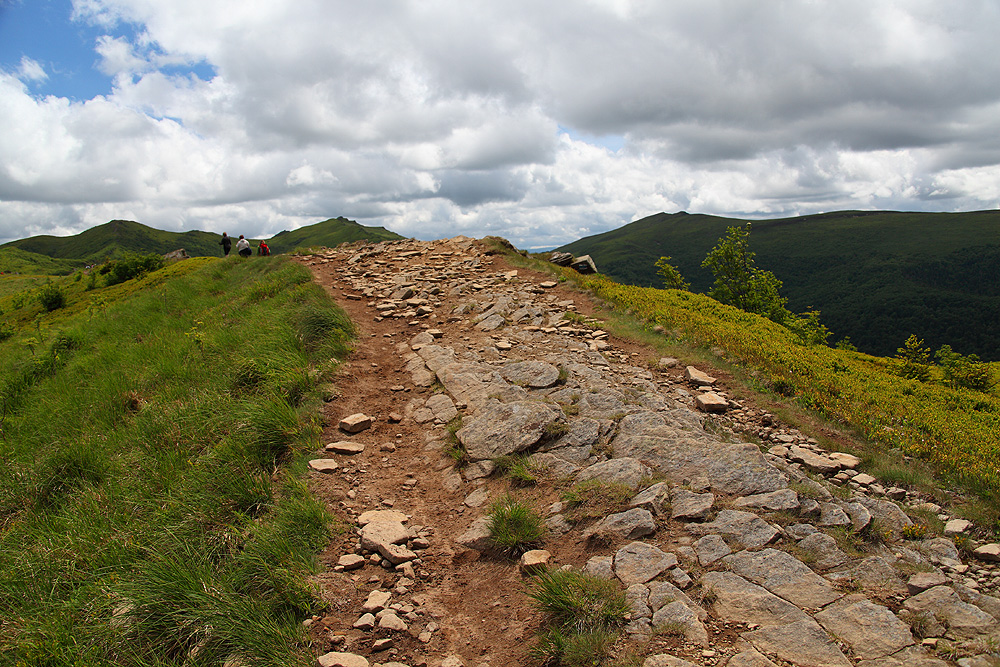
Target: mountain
113, 238
63, 254
876, 276
329, 233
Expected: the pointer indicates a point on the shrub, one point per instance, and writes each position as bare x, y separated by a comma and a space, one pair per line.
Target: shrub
514, 527
132, 265
51, 297
964, 371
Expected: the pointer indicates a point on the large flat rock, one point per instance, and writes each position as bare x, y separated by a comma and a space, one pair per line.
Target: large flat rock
506, 428
962, 619
747, 529
738, 469
783, 575
638, 562
738, 600
802, 643
871, 630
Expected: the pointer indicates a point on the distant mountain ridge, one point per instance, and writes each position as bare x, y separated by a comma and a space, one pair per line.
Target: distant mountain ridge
876, 276
117, 236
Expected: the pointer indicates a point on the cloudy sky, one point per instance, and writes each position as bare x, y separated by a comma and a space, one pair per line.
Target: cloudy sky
539, 121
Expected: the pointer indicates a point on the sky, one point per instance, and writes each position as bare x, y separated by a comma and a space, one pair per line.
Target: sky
542, 122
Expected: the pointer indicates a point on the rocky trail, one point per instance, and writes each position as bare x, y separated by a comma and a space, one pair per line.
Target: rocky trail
730, 553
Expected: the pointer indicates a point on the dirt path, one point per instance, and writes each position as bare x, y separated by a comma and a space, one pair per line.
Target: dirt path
442, 326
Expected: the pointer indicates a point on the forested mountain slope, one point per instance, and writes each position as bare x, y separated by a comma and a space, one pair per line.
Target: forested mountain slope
876, 276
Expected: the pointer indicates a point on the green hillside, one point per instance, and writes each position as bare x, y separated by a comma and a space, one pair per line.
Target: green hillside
329, 233
112, 238
59, 255
17, 260
875, 276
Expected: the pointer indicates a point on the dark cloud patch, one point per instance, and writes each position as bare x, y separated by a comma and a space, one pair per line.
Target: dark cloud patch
471, 188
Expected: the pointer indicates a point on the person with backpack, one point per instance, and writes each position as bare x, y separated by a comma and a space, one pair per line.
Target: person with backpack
226, 244
263, 250
243, 247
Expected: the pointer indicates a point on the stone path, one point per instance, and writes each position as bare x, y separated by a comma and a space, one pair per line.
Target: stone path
730, 553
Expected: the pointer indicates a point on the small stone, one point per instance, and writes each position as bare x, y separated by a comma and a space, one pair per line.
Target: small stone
345, 447
711, 402
351, 561
956, 527
382, 644
324, 465
355, 423
366, 622
923, 581
534, 561
392, 622
697, 377
337, 659
988, 552
688, 506
377, 600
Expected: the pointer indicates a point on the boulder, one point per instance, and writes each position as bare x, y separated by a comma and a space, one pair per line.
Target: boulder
506, 428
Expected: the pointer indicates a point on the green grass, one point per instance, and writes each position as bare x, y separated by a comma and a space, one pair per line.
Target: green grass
149, 512
514, 527
583, 615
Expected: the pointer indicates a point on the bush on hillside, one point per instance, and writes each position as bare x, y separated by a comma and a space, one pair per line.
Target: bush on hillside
51, 297
964, 371
133, 265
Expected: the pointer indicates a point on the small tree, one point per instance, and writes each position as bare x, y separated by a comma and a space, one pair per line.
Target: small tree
738, 281
808, 329
964, 371
672, 278
914, 359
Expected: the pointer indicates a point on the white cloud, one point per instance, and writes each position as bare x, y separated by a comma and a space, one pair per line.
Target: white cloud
31, 70
441, 117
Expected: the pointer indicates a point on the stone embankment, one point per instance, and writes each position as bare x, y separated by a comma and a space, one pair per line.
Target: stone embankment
730, 553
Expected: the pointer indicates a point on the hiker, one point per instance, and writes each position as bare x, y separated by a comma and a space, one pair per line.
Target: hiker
243, 247
226, 243
263, 250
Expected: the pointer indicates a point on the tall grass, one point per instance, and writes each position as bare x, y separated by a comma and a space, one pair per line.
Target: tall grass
148, 515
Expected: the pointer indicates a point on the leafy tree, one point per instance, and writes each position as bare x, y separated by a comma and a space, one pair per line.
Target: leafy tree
846, 344
738, 281
808, 329
672, 278
964, 371
914, 359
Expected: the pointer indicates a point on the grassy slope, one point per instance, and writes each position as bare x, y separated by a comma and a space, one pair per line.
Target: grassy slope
152, 437
18, 260
875, 276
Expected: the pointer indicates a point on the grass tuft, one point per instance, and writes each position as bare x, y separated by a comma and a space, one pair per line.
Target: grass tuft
514, 527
